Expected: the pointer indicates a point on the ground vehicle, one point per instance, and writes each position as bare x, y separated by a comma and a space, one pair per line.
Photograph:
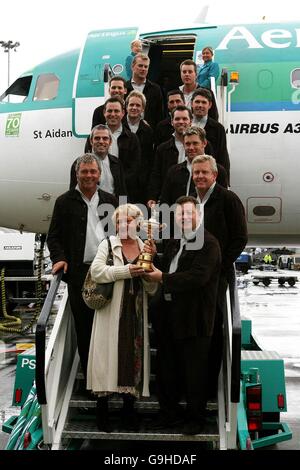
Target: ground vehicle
284, 261
244, 262
289, 262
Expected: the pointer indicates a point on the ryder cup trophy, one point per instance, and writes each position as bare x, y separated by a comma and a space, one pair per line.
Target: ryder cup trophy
150, 226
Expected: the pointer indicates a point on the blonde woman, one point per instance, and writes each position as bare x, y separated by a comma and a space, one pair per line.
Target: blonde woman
119, 349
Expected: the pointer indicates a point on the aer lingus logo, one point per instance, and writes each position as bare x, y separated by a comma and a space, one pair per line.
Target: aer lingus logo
13, 125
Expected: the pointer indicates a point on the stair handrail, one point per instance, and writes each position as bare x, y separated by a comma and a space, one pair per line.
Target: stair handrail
40, 338
236, 340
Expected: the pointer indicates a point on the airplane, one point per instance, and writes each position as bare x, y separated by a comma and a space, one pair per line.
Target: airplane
45, 118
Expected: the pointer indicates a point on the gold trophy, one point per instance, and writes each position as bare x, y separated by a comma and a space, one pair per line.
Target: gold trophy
150, 226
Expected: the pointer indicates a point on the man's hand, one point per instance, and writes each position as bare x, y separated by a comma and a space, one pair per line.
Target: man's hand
155, 275
60, 265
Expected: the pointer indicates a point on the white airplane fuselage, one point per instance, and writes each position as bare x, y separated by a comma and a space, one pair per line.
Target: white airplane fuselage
40, 142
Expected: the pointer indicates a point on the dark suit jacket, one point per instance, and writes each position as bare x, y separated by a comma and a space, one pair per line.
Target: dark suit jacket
117, 172
176, 181
165, 157
67, 232
98, 116
130, 156
154, 111
163, 131
145, 136
216, 135
224, 217
193, 287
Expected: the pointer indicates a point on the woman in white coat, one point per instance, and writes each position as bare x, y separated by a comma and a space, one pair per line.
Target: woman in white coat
119, 349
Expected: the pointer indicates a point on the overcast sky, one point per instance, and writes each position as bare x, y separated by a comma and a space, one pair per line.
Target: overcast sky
46, 29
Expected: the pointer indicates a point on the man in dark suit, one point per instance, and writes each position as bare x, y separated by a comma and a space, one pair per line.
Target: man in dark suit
169, 153
215, 132
125, 146
154, 111
74, 235
135, 107
117, 87
179, 181
112, 174
184, 319
164, 128
224, 217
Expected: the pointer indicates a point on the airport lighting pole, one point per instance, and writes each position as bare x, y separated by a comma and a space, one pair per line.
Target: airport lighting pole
8, 46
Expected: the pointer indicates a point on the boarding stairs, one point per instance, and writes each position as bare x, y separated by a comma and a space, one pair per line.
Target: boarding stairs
68, 415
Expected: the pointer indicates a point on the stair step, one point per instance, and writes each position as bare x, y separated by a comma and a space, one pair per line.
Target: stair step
88, 430
145, 403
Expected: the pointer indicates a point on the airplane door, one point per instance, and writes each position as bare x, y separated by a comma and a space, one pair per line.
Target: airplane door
102, 56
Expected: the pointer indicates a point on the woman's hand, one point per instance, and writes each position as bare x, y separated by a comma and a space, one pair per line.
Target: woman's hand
135, 270
155, 275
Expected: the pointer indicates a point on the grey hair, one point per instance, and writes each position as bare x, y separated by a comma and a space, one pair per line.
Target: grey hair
86, 158
204, 159
130, 210
100, 127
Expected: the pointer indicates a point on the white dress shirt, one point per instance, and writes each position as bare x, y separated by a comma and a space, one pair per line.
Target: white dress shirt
106, 178
113, 148
94, 229
180, 148
199, 122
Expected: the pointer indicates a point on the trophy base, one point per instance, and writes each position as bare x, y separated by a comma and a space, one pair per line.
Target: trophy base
145, 262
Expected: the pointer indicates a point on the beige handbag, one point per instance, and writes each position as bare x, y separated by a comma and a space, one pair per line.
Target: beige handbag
95, 295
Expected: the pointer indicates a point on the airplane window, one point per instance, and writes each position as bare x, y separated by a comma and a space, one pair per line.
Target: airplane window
264, 211
18, 91
295, 78
265, 79
46, 87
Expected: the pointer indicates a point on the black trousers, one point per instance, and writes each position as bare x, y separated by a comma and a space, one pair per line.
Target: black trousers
83, 318
182, 370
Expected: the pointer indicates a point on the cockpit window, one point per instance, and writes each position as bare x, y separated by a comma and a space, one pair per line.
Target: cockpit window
18, 91
46, 87
295, 78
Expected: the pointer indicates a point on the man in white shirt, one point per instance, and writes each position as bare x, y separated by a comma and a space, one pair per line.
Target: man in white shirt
74, 235
154, 111
188, 73
169, 153
125, 145
112, 174
224, 217
184, 319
